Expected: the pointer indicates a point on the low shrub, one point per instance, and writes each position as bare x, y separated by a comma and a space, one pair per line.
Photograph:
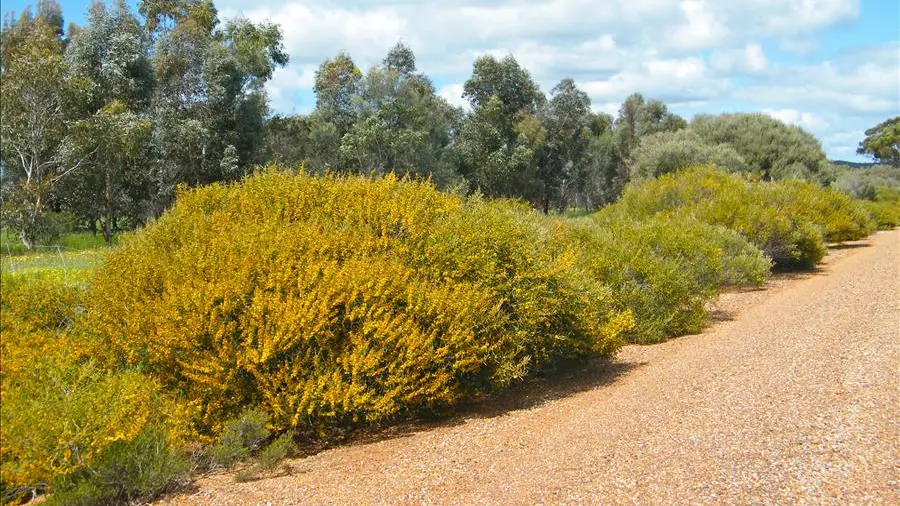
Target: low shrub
269, 458
758, 211
840, 218
281, 448
343, 300
665, 269
241, 436
62, 415
142, 467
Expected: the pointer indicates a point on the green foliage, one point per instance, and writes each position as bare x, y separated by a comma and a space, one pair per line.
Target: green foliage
768, 146
788, 221
667, 152
498, 145
865, 183
140, 468
33, 126
269, 457
638, 118
241, 436
882, 142
665, 269
281, 448
328, 301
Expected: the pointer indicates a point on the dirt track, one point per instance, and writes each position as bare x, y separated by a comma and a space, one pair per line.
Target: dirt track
792, 398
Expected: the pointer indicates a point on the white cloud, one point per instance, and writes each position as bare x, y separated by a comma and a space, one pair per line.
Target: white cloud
673, 80
697, 55
452, 93
749, 60
806, 120
702, 27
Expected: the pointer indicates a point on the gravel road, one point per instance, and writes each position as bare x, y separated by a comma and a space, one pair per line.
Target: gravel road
792, 397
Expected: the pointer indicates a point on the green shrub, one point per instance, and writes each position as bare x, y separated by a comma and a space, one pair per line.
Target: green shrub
140, 468
839, 217
241, 436
665, 269
668, 152
755, 210
269, 457
343, 300
282, 448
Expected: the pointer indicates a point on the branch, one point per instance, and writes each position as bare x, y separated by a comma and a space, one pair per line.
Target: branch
73, 168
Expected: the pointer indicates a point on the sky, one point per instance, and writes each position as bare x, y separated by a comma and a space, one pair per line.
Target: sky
829, 66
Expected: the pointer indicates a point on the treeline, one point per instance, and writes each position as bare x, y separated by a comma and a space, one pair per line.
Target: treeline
102, 123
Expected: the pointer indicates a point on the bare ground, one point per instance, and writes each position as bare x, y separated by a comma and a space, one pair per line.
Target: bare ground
791, 397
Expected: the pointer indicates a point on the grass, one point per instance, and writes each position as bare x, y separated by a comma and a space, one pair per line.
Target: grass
73, 259
74, 241
77, 264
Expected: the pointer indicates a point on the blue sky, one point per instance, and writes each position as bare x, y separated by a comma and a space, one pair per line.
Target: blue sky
830, 66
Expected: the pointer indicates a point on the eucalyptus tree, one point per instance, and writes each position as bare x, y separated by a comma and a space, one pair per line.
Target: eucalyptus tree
109, 89
639, 117
115, 185
500, 140
564, 170
209, 102
401, 125
882, 142
33, 127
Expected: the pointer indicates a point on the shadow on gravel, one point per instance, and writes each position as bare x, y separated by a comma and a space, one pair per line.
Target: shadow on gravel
568, 379
849, 245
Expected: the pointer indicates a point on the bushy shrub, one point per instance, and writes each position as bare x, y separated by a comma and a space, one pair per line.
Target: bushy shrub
138, 468
240, 437
343, 300
758, 211
839, 217
667, 152
61, 414
665, 269
769, 146
885, 213
863, 184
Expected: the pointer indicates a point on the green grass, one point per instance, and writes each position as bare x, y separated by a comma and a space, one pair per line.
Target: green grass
73, 260
74, 241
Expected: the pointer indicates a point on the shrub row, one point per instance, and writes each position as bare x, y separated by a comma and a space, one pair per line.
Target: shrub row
790, 221
343, 300
293, 302
664, 269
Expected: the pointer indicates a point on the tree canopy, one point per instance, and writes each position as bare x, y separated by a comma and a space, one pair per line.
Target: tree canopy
882, 142
104, 121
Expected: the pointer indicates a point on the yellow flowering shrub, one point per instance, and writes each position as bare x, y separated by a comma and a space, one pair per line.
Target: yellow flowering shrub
59, 411
836, 214
666, 268
344, 300
762, 212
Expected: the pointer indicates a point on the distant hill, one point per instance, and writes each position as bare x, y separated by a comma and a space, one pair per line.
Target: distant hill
854, 165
